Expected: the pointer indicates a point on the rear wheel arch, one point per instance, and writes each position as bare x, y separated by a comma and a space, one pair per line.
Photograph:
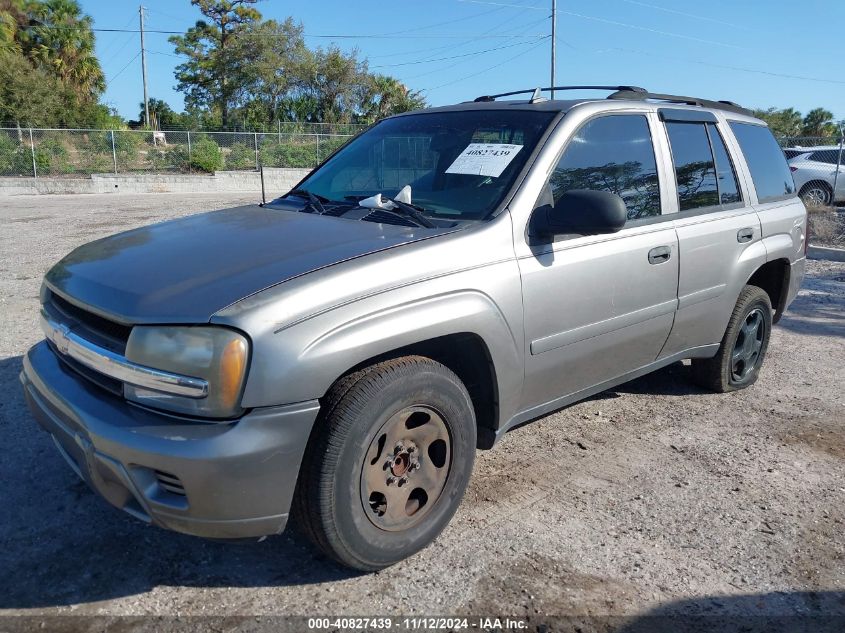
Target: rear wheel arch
773, 277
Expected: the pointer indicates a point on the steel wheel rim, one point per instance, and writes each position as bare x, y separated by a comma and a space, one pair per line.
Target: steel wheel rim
748, 346
406, 468
816, 197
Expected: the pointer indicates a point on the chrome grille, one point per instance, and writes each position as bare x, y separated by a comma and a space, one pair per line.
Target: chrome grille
102, 331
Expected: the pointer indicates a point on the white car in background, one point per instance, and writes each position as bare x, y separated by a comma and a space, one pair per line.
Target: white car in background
815, 172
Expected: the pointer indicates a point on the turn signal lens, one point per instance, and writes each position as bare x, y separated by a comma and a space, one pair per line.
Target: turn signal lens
232, 368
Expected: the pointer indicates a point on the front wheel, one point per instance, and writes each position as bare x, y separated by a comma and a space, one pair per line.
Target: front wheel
743, 348
388, 462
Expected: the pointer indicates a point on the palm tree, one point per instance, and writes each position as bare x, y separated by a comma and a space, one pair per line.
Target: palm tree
387, 95
818, 122
62, 41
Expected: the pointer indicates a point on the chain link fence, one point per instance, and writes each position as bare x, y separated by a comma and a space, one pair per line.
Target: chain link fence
38, 153
818, 168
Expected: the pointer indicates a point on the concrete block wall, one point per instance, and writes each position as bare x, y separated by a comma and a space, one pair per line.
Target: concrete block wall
276, 182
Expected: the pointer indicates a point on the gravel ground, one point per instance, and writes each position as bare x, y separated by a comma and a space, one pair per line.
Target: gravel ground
653, 497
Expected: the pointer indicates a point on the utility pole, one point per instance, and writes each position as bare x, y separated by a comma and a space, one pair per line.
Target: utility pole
554, 27
144, 68
838, 166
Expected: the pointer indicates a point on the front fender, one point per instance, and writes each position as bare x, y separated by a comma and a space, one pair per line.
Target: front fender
300, 360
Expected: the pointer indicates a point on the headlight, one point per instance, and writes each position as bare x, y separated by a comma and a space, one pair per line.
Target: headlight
215, 354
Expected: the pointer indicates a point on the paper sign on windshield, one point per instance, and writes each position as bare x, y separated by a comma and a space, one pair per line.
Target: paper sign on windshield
484, 159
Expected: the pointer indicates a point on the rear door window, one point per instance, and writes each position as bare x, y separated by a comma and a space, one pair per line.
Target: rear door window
695, 168
769, 169
725, 173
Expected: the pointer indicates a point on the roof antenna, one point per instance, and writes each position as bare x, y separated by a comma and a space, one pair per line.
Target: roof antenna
537, 96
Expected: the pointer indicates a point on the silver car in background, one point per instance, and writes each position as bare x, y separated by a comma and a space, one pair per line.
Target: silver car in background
819, 174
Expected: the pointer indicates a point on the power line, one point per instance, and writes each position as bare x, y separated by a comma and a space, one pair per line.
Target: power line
118, 51
683, 13
119, 72
165, 54
443, 68
162, 13
647, 29
109, 46
339, 36
607, 21
728, 67
504, 4
441, 59
480, 72
453, 47
431, 26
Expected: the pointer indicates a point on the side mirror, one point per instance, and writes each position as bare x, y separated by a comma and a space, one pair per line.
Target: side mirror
583, 212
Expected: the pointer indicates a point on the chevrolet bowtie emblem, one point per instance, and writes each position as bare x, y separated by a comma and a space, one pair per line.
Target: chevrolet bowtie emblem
60, 337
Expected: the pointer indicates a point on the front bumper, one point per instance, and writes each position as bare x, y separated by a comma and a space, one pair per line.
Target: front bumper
217, 480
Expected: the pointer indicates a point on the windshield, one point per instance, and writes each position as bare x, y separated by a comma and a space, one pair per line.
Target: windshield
459, 165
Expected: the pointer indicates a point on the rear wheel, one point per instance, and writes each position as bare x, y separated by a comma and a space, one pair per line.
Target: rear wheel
816, 194
743, 348
388, 462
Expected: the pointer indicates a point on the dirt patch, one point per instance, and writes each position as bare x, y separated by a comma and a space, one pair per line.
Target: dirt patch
534, 585
822, 435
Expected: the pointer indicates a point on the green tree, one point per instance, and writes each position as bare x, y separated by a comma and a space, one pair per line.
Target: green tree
279, 63
51, 75
162, 115
13, 18
818, 122
215, 72
783, 123
339, 83
386, 96
28, 96
61, 39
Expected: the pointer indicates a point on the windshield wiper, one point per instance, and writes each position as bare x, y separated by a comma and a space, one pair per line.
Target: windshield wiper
404, 209
315, 202
411, 211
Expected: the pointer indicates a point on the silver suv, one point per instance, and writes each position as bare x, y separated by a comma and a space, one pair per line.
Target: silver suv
339, 353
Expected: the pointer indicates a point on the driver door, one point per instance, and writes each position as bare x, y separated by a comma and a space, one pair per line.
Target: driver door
600, 306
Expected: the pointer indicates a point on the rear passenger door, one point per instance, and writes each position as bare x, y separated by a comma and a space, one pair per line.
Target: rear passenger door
782, 215
599, 306
719, 234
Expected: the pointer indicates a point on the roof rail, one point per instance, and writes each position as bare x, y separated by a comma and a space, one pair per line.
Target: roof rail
536, 96
638, 95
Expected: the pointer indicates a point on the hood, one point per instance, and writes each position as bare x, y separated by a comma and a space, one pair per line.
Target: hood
185, 270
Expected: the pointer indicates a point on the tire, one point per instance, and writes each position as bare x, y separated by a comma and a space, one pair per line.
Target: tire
747, 335
816, 194
344, 502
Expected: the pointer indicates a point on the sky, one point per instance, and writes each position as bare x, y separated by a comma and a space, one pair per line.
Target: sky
758, 53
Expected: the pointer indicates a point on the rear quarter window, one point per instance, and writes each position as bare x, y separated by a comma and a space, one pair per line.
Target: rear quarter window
769, 169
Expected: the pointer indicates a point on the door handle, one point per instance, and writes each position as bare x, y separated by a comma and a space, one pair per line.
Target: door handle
745, 235
659, 254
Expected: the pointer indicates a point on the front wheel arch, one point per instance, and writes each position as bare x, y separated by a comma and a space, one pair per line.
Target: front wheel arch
468, 356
